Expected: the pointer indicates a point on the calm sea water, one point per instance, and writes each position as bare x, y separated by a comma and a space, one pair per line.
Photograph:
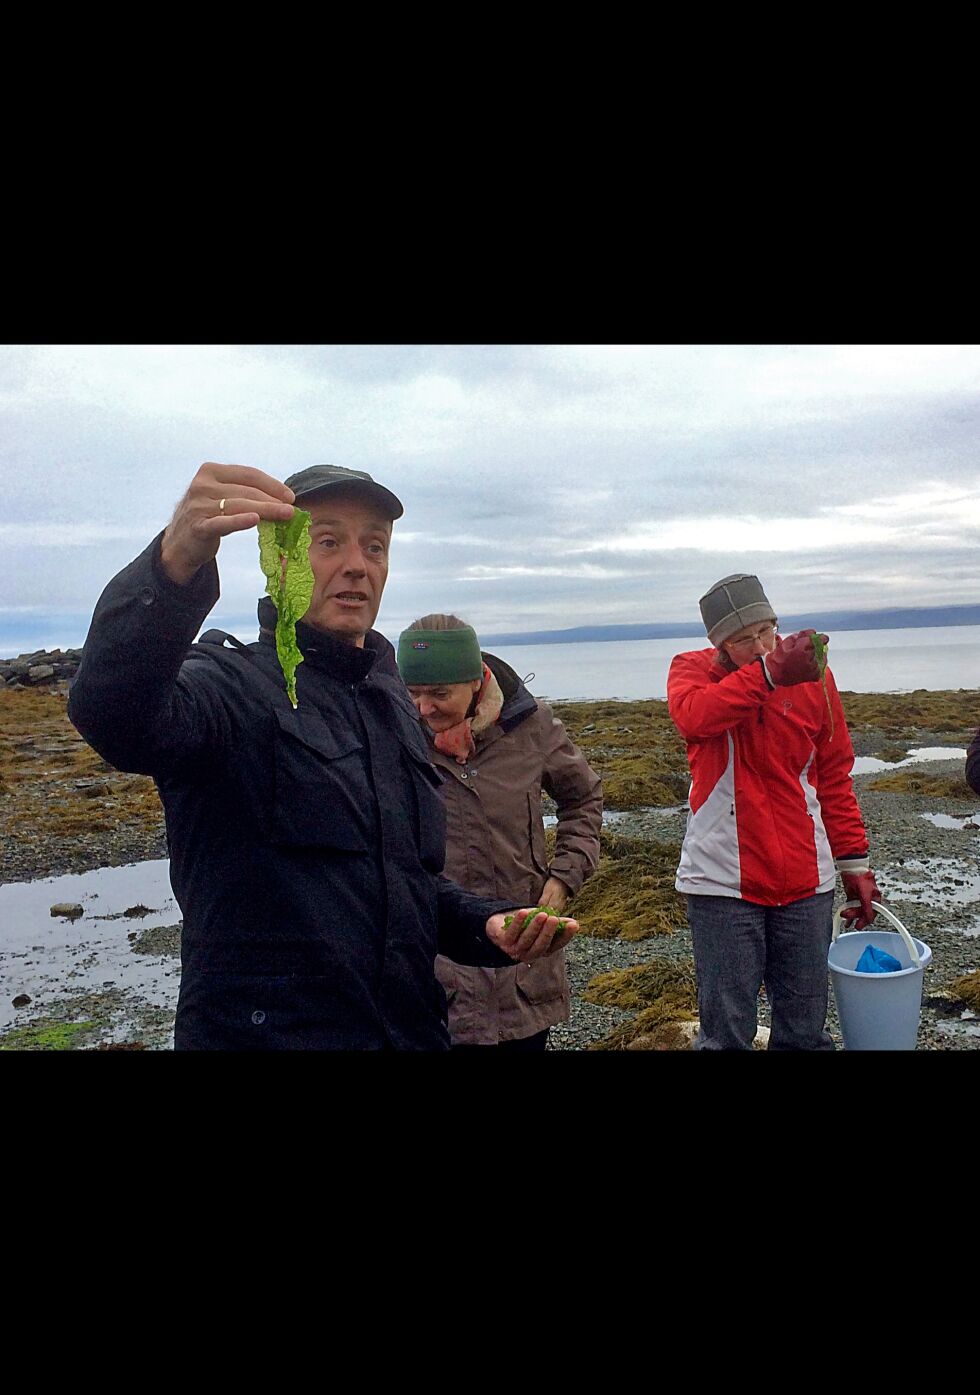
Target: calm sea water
862, 661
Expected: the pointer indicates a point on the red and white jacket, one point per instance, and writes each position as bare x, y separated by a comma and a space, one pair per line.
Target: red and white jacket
773, 815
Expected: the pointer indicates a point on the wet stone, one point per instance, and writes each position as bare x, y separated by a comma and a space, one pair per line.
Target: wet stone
163, 940
71, 909
944, 1005
21, 1000
95, 789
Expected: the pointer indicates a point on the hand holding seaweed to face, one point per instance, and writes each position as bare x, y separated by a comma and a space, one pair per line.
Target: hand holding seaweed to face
788, 659
801, 658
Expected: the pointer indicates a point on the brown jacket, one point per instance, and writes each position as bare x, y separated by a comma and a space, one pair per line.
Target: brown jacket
495, 846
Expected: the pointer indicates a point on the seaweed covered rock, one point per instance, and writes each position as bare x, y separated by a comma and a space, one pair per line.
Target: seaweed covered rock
679, 1036
63, 807
952, 713
967, 989
645, 985
664, 991
631, 894
639, 780
891, 753
911, 781
634, 746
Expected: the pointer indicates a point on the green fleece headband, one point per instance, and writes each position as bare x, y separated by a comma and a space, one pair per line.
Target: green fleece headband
427, 657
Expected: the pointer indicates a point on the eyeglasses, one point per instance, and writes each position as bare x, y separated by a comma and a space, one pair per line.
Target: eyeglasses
765, 634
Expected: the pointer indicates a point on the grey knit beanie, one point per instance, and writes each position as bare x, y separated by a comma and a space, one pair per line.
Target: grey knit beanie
733, 603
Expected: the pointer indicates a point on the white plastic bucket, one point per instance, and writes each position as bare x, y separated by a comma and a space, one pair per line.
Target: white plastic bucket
877, 1012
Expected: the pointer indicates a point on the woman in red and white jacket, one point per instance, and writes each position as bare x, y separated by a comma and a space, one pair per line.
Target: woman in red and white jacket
773, 819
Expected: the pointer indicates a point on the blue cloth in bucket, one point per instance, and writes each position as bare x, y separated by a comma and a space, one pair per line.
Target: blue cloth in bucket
876, 961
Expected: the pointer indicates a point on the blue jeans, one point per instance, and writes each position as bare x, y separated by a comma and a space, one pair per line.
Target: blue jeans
738, 946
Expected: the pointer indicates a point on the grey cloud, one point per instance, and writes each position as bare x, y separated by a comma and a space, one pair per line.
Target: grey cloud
520, 451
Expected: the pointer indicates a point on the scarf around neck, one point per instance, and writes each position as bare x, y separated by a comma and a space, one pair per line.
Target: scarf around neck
458, 741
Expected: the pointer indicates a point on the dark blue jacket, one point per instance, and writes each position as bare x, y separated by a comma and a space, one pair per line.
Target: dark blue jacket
305, 844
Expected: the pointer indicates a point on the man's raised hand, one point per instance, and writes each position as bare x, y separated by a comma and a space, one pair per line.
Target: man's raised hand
222, 499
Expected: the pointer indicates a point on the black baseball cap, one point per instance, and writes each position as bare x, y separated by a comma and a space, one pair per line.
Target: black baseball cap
316, 478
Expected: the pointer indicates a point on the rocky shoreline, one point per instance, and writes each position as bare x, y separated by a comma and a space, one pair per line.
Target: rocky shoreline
63, 810
41, 667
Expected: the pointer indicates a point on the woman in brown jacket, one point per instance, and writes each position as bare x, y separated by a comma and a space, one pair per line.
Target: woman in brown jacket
497, 748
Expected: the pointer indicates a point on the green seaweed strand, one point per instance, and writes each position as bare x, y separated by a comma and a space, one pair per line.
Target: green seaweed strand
284, 554
820, 650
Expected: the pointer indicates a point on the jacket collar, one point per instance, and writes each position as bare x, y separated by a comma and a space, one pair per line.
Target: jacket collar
518, 702
347, 662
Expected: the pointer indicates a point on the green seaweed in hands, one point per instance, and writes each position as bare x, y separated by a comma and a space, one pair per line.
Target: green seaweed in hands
820, 651
284, 555
549, 910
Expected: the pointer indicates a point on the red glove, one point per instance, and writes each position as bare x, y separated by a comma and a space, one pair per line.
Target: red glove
793, 660
860, 886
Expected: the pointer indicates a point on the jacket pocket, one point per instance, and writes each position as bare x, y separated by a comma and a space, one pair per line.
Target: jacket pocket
539, 848
322, 795
543, 981
447, 976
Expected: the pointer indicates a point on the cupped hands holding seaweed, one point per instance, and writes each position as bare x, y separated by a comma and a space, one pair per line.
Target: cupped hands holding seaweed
221, 499
530, 933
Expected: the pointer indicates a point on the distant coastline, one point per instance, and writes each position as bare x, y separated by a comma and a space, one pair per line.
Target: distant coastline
899, 618
14, 644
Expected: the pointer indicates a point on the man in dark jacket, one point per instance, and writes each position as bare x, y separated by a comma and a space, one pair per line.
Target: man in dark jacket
306, 844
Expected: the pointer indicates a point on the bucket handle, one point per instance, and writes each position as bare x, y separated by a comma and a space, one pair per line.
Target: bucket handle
882, 910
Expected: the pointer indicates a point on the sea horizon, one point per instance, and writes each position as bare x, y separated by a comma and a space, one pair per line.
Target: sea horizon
61, 632
933, 658
885, 660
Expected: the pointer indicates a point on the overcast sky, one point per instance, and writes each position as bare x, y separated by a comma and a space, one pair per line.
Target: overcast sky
544, 486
